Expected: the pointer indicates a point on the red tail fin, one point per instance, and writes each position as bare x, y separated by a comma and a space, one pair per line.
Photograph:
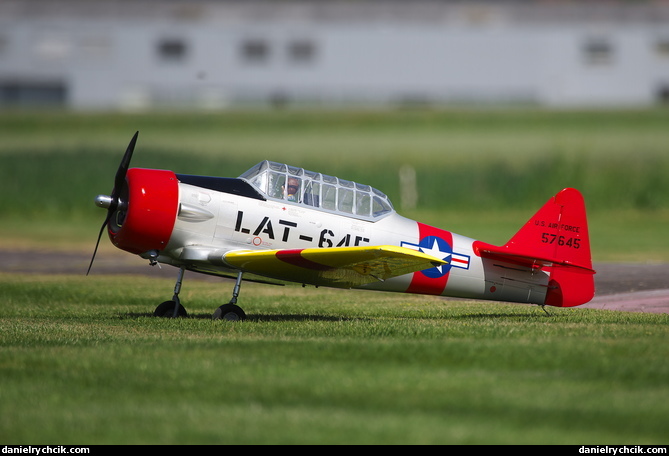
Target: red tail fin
555, 239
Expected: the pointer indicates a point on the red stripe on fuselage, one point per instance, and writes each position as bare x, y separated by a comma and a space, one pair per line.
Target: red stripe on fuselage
420, 283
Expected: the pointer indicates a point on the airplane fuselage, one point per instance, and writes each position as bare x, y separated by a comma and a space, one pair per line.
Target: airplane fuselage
210, 223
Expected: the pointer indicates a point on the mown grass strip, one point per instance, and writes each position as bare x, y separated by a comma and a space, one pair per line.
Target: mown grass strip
82, 362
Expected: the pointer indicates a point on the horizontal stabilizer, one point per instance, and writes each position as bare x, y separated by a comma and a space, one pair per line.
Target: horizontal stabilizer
341, 267
534, 262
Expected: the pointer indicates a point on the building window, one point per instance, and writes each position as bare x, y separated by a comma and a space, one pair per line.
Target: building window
301, 51
598, 51
20, 93
255, 51
172, 50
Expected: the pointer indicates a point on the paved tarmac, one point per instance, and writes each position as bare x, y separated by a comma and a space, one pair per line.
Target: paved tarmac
631, 287
628, 287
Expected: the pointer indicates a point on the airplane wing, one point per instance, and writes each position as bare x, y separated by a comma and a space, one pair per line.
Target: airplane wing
341, 267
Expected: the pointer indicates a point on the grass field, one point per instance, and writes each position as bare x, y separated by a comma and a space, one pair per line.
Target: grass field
83, 362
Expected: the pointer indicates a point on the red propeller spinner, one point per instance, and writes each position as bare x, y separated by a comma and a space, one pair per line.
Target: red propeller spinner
142, 208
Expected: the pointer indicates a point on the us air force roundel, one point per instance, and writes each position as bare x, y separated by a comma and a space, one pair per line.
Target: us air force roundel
439, 248
438, 243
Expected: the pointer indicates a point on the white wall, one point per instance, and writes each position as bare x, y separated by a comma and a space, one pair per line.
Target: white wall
110, 63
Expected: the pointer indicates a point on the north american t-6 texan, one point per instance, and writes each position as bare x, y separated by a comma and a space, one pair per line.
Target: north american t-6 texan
278, 223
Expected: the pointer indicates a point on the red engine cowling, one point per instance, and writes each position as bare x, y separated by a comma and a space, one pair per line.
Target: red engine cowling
147, 211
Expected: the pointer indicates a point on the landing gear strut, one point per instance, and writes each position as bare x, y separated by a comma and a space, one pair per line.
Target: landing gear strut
231, 311
173, 309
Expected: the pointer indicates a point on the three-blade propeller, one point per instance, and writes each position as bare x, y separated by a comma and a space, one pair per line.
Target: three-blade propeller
112, 202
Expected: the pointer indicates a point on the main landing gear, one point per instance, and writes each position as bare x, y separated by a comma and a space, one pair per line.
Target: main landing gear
173, 309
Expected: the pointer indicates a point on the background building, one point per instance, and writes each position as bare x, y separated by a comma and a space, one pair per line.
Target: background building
106, 54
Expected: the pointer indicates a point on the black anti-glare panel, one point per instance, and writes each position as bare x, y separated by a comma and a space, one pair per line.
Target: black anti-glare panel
222, 184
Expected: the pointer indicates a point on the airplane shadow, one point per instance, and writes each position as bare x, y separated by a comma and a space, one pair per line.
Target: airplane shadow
254, 317
301, 317
329, 318
500, 316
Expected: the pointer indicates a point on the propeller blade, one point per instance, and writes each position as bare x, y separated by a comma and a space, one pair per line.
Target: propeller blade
123, 167
102, 228
119, 179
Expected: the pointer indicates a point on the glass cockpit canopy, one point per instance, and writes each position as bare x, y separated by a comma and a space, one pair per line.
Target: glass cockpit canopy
282, 182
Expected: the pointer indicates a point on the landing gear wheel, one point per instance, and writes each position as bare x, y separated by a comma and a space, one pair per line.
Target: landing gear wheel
166, 309
230, 312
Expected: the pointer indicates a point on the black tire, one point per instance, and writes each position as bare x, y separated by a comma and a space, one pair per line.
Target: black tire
166, 310
230, 312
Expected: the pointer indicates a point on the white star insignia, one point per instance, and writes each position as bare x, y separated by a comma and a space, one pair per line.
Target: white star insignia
436, 252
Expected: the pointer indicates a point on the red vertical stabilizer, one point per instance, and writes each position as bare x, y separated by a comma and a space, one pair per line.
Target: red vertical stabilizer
556, 240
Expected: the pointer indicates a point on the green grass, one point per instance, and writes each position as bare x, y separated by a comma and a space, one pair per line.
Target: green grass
515, 158
83, 362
